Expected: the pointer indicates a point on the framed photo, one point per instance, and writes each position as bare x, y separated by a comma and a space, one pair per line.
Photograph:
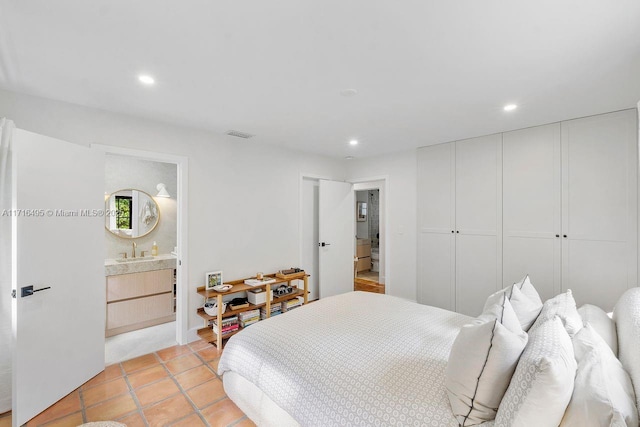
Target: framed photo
361, 211
213, 279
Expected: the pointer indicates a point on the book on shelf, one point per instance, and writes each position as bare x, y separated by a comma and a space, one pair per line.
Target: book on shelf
291, 304
257, 282
227, 330
245, 323
245, 315
263, 314
274, 307
229, 324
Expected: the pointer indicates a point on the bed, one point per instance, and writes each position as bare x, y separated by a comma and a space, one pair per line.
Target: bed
353, 359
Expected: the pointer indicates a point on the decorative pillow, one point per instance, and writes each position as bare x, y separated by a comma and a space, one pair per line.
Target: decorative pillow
524, 299
482, 360
626, 314
542, 384
602, 394
563, 306
602, 324
503, 311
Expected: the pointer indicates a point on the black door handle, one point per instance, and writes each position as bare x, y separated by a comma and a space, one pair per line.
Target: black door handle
27, 291
323, 244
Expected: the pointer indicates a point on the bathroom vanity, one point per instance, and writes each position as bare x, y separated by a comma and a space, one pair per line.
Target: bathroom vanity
140, 293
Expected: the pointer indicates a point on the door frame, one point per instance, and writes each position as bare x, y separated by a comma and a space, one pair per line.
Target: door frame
182, 267
371, 183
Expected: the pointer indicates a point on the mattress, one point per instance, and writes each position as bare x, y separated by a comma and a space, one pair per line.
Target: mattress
359, 359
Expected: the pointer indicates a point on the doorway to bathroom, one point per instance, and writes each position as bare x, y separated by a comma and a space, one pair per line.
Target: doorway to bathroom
370, 208
144, 252
368, 234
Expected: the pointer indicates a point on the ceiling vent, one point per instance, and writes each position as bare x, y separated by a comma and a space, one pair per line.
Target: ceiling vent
239, 134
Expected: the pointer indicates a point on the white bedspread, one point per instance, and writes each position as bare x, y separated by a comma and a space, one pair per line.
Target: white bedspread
359, 359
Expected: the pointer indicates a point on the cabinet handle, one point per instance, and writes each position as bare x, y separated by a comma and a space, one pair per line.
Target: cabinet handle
452, 231
457, 231
557, 235
564, 235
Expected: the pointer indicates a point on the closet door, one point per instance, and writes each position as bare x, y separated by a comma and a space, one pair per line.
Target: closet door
436, 238
478, 221
531, 207
599, 191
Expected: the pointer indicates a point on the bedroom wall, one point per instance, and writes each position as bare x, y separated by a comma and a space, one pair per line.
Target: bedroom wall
400, 171
237, 220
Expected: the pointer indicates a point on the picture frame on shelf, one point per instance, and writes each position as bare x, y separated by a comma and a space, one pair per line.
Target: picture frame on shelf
213, 279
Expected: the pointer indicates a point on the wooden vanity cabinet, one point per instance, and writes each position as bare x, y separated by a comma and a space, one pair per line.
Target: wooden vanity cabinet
139, 300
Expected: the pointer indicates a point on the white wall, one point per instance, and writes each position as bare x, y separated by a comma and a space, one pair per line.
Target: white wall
400, 171
122, 172
243, 195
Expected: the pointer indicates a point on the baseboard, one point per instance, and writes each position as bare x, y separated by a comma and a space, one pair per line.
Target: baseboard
192, 335
5, 405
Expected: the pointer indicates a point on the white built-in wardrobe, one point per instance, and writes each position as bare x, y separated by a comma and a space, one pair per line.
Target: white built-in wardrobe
557, 202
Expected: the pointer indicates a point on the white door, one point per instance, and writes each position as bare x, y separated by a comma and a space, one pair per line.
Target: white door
531, 207
310, 252
59, 330
436, 225
337, 237
599, 205
478, 221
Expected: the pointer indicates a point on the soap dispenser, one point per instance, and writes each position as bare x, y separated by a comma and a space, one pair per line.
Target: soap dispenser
154, 249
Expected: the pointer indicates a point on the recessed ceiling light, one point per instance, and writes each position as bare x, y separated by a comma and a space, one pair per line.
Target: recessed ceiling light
510, 107
348, 92
349, 158
353, 142
146, 79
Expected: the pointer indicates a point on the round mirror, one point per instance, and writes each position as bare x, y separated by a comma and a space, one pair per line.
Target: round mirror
132, 213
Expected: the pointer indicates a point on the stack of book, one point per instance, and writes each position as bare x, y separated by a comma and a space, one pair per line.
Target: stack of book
229, 325
249, 317
291, 304
275, 310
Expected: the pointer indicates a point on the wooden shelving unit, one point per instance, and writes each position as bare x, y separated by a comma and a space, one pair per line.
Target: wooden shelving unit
206, 333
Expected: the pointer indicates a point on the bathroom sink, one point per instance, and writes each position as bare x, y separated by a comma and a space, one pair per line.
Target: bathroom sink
138, 259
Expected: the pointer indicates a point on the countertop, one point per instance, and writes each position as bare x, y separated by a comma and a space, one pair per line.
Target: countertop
160, 262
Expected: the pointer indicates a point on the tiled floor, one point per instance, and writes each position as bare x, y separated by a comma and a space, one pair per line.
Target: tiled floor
177, 386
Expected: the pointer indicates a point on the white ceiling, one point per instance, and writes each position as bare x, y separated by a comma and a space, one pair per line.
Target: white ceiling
426, 71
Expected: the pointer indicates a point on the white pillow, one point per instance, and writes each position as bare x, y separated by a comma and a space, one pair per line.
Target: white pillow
602, 394
542, 384
483, 358
504, 312
602, 323
524, 299
626, 314
563, 306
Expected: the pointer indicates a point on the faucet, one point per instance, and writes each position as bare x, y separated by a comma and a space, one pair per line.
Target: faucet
133, 251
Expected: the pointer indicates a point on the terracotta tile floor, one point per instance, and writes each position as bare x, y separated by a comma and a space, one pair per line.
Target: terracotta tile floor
177, 386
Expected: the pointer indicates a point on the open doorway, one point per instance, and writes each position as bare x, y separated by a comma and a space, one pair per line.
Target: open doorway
368, 234
375, 193
145, 252
370, 217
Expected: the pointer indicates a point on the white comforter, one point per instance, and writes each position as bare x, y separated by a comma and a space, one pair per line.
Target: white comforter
354, 359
